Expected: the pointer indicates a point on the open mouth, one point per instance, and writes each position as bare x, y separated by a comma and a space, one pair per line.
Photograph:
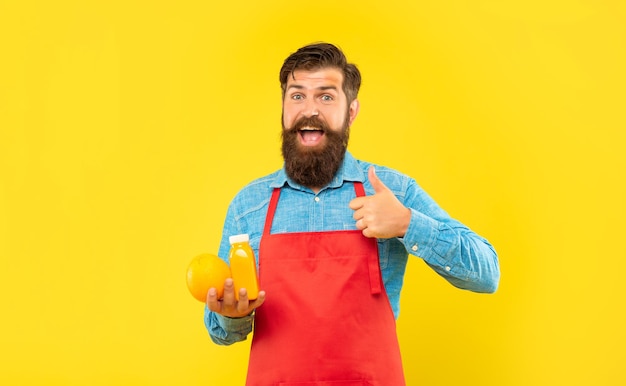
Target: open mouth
310, 136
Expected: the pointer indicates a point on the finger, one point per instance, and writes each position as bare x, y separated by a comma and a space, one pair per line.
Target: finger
229, 293
377, 184
357, 203
212, 301
367, 232
360, 224
243, 303
259, 300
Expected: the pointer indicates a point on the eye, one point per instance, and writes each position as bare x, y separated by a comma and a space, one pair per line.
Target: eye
297, 97
327, 98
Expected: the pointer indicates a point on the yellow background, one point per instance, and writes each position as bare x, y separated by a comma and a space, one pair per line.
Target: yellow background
127, 126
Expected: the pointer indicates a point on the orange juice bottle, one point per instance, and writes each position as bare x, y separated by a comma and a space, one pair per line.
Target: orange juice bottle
243, 266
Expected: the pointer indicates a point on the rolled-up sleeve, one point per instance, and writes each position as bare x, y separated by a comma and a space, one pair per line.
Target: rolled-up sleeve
226, 331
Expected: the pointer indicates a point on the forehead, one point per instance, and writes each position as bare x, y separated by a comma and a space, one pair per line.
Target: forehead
323, 77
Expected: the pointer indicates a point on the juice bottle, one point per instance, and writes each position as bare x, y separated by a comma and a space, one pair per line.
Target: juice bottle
243, 266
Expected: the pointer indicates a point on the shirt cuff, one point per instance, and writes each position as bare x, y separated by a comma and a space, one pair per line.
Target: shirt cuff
226, 331
421, 235
236, 325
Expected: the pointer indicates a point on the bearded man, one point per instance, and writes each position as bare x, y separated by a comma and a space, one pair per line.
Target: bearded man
332, 235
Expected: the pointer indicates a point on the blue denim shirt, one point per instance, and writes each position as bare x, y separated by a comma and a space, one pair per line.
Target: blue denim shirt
459, 255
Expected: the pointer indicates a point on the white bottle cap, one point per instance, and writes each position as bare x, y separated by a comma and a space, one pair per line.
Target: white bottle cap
243, 238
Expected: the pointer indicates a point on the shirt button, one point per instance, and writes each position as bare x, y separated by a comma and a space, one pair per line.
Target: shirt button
317, 199
448, 268
414, 248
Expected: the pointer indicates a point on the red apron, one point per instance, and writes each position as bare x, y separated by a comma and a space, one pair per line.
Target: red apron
327, 320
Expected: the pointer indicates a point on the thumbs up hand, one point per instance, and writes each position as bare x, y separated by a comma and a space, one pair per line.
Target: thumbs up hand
381, 215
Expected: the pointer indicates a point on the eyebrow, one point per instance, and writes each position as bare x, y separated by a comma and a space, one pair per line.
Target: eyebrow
323, 88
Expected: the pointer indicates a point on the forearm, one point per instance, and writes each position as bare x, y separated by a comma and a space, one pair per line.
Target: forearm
226, 331
462, 257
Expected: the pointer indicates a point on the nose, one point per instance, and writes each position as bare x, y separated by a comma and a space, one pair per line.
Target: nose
310, 109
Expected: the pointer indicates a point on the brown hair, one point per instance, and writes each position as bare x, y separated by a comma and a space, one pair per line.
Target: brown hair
318, 56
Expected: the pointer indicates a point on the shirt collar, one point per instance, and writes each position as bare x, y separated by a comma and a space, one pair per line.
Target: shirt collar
348, 171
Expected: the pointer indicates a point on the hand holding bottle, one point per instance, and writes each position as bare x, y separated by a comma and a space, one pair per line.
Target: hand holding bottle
241, 291
229, 305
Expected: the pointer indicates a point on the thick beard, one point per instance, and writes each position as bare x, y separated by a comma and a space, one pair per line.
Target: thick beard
314, 167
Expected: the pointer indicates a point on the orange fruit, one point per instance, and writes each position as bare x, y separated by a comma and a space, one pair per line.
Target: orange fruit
207, 271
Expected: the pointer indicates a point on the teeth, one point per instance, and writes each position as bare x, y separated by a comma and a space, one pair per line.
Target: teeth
308, 128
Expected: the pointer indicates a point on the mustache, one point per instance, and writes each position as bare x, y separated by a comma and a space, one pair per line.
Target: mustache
312, 121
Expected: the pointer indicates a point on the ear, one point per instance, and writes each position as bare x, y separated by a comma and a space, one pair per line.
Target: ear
353, 110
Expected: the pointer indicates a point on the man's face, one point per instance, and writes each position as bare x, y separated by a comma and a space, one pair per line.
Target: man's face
316, 121
317, 93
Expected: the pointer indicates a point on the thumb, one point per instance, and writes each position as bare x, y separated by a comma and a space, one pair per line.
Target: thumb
377, 184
